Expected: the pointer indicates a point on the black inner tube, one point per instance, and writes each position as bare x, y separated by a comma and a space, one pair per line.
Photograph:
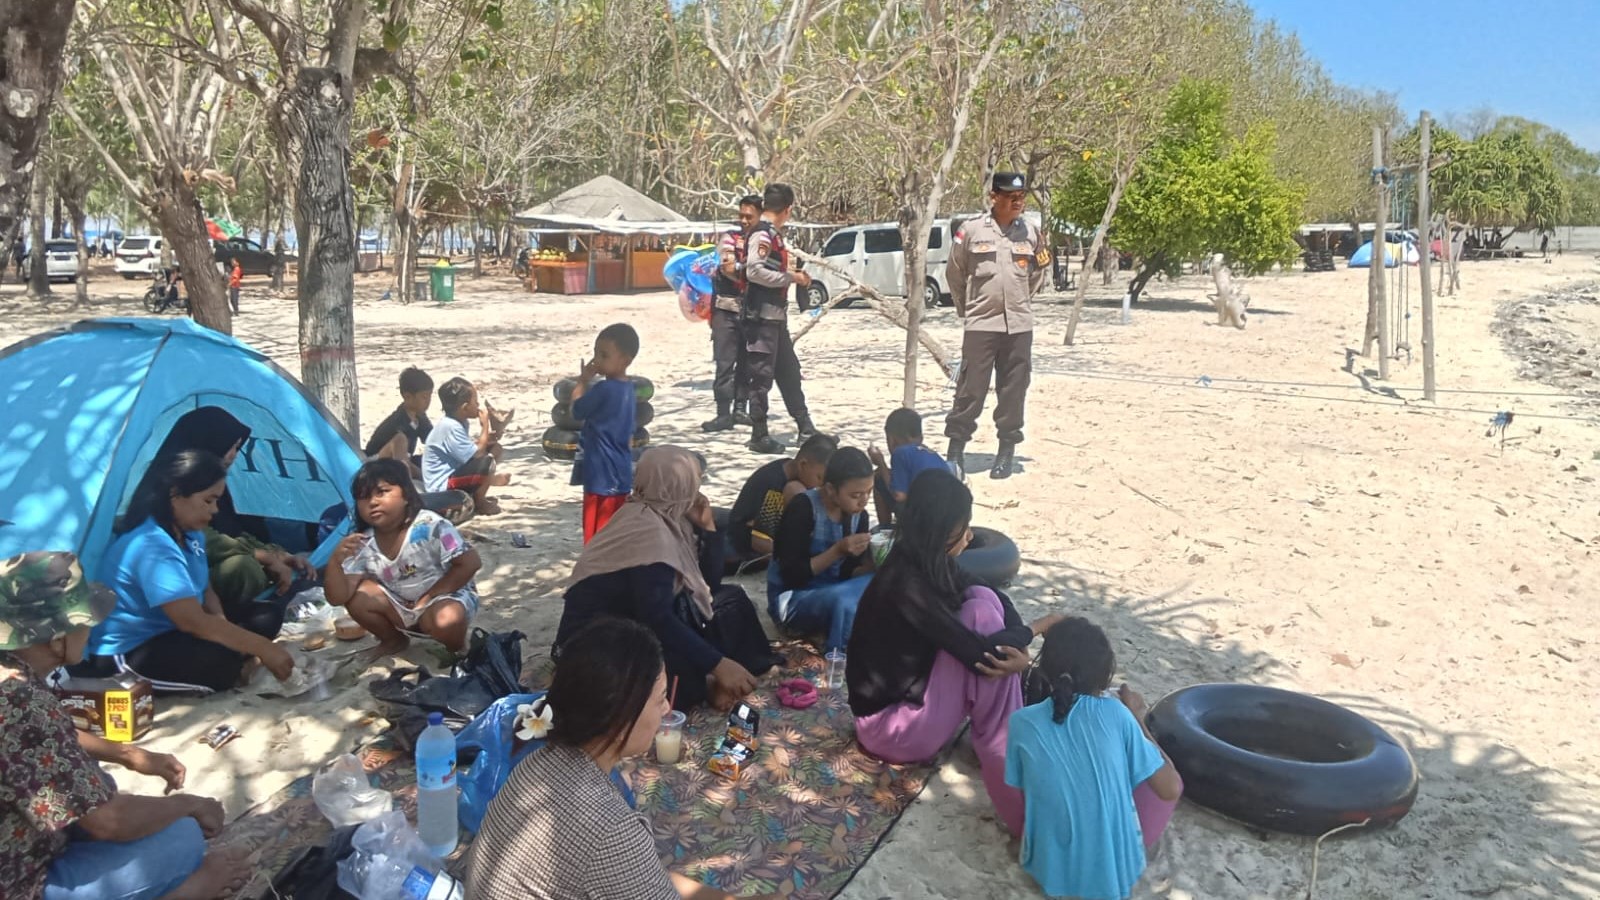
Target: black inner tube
1290, 735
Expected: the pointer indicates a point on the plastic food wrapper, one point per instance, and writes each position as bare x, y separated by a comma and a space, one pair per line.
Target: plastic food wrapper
308, 615
731, 759
744, 723
343, 793
311, 675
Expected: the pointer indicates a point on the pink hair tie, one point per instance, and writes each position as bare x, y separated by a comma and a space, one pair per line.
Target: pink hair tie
797, 693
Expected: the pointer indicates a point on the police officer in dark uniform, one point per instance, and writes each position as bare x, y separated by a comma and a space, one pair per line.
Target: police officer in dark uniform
766, 309
998, 261
727, 336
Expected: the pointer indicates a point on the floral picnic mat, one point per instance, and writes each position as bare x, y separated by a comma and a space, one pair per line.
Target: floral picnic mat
802, 818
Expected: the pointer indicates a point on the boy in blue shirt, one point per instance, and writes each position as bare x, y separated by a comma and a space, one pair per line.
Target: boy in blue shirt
908, 458
607, 408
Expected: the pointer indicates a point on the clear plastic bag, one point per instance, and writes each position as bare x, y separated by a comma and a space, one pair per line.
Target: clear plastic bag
312, 675
343, 794
388, 861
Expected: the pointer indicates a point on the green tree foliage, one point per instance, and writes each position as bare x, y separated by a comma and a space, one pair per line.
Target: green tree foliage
1199, 190
1505, 181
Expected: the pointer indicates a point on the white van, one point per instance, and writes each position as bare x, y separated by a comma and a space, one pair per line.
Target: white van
874, 256
138, 255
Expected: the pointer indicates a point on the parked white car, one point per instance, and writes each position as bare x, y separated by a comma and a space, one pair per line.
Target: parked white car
138, 256
874, 256
60, 260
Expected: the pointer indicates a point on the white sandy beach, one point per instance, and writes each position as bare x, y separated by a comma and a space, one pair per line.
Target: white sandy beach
1281, 526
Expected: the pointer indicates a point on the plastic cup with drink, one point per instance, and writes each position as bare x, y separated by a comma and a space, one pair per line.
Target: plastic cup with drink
669, 739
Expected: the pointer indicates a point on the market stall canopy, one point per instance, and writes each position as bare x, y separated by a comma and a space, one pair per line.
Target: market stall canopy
605, 204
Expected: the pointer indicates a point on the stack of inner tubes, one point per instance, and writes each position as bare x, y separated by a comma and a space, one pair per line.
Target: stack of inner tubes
561, 438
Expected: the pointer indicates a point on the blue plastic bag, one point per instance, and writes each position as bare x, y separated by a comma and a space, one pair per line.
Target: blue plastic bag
489, 739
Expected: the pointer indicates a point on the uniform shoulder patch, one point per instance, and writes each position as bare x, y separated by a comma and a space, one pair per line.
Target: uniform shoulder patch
1044, 256
961, 236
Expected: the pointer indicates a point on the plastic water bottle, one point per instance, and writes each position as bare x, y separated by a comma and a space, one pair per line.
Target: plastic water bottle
437, 822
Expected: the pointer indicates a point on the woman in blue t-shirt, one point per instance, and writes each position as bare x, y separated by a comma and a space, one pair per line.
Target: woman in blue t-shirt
1097, 789
168, 625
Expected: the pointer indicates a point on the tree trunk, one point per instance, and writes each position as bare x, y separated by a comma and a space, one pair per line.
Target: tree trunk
477, 254
1147, 271
58, 222
32, 37
1117, 188
38, 267
75, 211
183, 232
325, 221
914, 237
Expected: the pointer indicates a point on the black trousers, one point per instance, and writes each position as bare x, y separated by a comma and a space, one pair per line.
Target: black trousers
727, 347
762, 340
787, 376
1008, 359
177, 662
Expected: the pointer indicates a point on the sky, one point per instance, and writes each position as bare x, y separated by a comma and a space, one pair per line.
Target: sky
1539, 59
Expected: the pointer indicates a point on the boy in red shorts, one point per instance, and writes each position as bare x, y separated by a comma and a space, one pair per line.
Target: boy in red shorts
607, 407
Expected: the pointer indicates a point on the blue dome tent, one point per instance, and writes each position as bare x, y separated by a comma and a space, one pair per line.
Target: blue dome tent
87, 406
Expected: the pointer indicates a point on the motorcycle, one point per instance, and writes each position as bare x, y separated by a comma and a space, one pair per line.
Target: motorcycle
165, 293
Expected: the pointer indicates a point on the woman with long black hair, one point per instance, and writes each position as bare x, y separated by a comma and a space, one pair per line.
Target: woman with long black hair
168, 625
932, 649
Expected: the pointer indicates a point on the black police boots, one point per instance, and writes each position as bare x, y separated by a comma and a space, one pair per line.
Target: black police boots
1003, 460
803, 426
722, 422
957, 457
741, 413
762, 442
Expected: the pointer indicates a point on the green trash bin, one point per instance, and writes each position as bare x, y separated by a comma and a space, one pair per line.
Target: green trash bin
442, 282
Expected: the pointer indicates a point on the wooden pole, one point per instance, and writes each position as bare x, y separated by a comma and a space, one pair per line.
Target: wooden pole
1380, 252
1425, 271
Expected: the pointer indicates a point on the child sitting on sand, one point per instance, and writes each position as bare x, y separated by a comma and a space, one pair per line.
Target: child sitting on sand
1097, 789
908, 458
452, 460
607, 407
405, 569
754, 518
405, 430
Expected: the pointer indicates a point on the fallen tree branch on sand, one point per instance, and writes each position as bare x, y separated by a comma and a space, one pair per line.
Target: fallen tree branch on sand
891, 310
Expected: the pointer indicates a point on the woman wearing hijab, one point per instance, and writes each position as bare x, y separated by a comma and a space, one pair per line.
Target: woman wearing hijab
242, 565
659, 561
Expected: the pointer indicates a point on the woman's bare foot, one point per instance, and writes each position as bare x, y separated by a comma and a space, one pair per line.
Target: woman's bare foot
500, 480
489, 507
223, 871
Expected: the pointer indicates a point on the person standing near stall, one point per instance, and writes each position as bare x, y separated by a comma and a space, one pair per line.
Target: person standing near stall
998, 262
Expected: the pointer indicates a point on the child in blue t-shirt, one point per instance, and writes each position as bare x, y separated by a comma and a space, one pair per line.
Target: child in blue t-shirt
607, 408
908, 458
1097, 790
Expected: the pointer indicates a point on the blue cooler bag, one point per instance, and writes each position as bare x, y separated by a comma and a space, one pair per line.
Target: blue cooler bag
487, 742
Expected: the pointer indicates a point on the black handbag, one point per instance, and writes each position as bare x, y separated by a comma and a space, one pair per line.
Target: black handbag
491, 669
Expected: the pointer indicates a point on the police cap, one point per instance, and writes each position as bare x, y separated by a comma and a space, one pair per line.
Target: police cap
1008, 181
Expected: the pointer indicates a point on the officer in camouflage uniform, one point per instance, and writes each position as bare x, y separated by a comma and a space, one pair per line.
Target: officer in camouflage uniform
997, 263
